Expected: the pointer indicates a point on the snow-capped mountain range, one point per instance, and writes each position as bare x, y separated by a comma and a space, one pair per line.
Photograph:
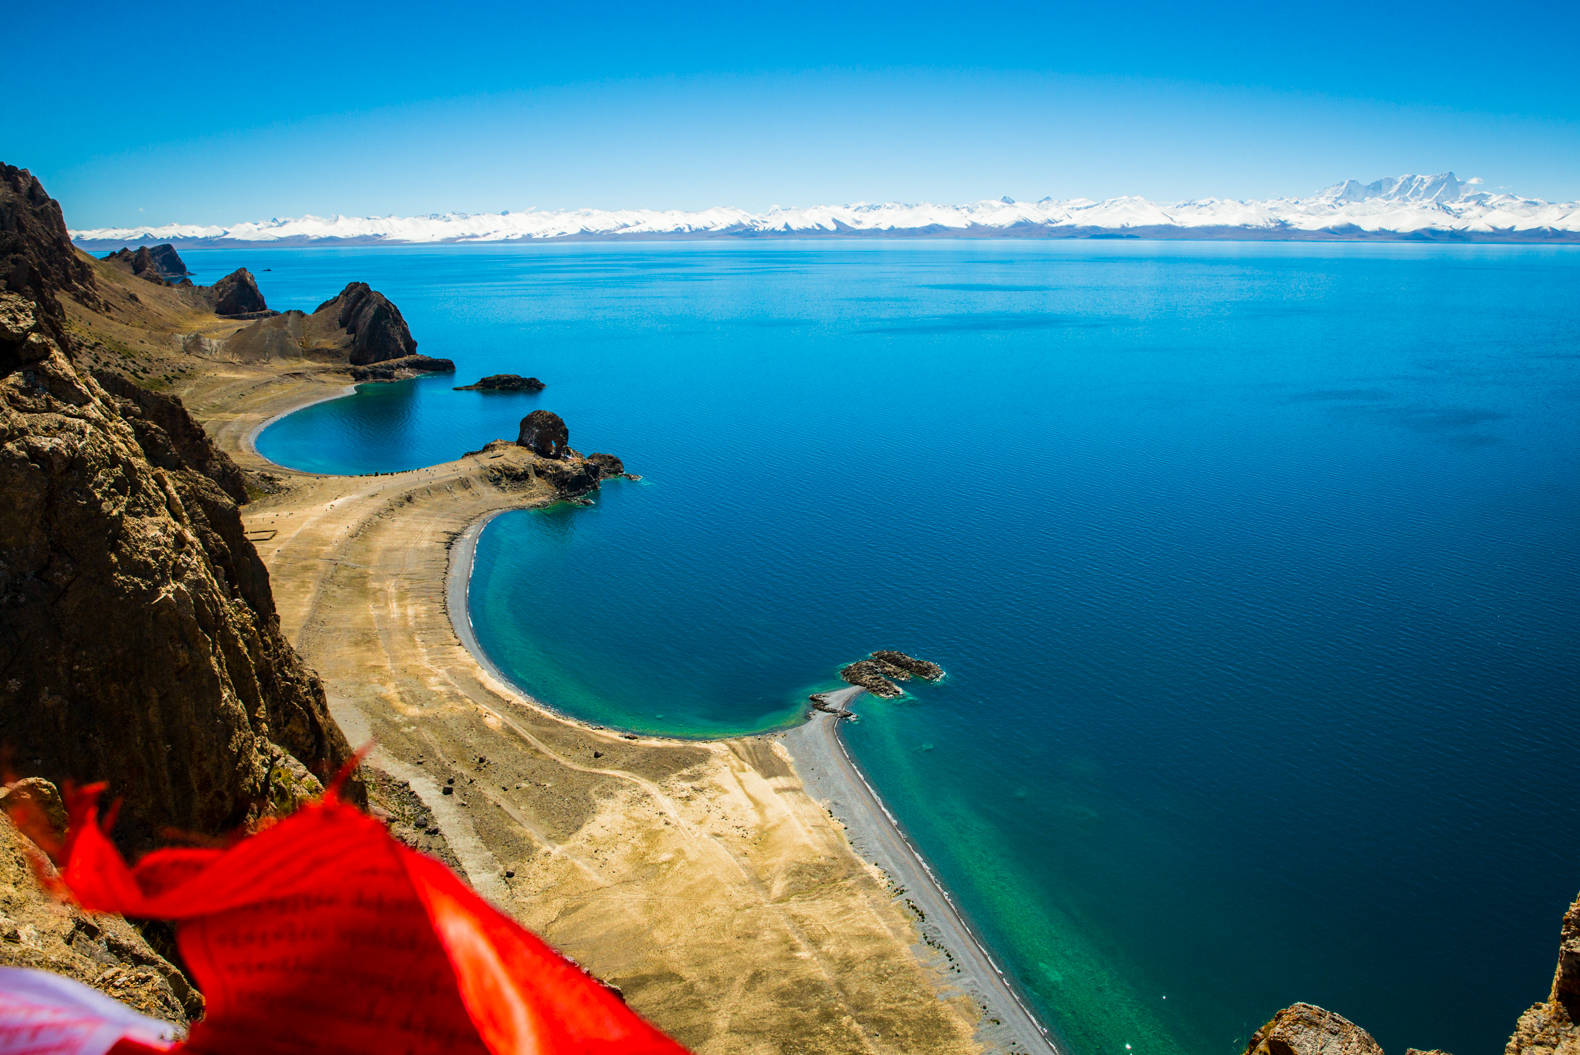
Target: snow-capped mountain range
1429, 208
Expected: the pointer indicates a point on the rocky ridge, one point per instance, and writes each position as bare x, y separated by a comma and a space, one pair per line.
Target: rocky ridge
138, 638
358, 327
158, 263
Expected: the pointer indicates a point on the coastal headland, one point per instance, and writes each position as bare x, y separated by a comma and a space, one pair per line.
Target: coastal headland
705, 879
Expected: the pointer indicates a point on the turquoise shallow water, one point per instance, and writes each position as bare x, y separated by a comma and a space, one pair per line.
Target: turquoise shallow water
1254, 568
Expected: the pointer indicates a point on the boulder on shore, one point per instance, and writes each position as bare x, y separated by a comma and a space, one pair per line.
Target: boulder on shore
544, 433
610, 465
504, 383
1305, 1029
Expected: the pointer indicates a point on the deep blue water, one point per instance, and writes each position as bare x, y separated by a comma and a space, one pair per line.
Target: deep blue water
1254, 568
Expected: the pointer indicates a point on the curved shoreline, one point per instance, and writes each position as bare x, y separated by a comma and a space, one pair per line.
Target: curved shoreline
833, 778
250, 440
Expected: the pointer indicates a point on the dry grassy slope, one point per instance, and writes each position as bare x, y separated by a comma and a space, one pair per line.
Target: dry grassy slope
700, 878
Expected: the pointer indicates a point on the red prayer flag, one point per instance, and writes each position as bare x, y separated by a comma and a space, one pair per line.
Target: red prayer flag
324, 934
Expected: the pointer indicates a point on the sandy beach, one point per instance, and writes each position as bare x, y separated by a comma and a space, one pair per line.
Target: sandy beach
701, 878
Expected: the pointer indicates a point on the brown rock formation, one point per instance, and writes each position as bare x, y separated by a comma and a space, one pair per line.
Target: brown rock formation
1305, 1029
235, 294
1552, 1027
160, 263
402, 368
37, 262
544, 433
360, 328
610, 465
515, 467
504, 383
378, 332
878, 673
138, 638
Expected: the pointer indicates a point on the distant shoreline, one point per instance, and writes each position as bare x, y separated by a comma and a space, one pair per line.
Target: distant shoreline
1028, 233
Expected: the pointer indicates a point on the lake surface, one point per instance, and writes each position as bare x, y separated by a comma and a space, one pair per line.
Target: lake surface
1253, 566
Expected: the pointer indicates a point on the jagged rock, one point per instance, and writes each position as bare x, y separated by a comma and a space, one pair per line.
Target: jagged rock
170, 437
378, 332
160, 263
102, 951
610, 465
1552, 1027
1305, 1029
879, 672
359, 327
504, 383
872, 676
37, 259
236, 294
400, 369
544, 433
138, 635
910, 665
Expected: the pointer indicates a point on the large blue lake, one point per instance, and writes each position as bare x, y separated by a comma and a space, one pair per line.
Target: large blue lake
1254, 568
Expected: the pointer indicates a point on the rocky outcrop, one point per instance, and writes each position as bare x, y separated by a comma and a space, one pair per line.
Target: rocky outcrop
37, 263
1305, 1029
513, 467
610, 465
158, 263
105, 952
1552, 1027
504, 383
403, 368
910, 666
235, 295
878, 673
544, 433
377, 330
138, 638
359, 328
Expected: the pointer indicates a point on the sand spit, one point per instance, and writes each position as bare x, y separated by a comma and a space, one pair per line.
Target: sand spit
832, 777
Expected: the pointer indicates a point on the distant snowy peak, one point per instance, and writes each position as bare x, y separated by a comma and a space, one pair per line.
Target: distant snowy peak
1444, 187
1441, 206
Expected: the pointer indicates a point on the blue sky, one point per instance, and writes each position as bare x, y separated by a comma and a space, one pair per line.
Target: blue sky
213, 113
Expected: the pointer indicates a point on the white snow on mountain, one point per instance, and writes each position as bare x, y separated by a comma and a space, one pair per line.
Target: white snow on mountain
1401, 206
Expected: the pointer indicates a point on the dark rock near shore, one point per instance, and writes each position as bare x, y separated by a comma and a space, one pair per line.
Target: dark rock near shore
920, 668
378, 331
400, 369
170, 437
878, 673
610, 465
1305, 1029
544, 433
158, 263
504, 383
236, 294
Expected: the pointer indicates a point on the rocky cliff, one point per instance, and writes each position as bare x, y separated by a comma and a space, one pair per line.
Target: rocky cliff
359, 327
236, 294
138, 638
157, 263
